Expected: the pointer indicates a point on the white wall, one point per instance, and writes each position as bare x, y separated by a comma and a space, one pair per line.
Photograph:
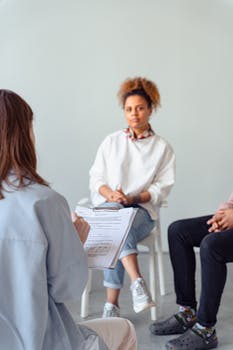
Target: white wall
67, 58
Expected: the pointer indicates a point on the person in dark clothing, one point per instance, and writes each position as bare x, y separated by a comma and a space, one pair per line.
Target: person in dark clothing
214, 235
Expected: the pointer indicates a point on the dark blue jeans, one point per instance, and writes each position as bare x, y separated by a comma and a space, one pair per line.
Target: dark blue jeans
216, 250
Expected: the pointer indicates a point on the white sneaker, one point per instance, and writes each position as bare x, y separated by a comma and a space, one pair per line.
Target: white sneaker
110, 310
141, 296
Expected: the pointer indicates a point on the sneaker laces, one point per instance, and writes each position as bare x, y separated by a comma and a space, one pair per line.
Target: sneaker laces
108, 313
111, 310
139, 287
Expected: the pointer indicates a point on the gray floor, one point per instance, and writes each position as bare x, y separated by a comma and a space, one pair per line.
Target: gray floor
165, 306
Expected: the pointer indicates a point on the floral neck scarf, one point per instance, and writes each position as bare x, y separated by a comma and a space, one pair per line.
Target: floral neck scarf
144, 135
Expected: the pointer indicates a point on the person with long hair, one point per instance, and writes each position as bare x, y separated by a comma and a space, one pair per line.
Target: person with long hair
133, 167
42, 260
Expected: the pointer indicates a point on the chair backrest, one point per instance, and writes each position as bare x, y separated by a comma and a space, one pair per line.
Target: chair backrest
85, 202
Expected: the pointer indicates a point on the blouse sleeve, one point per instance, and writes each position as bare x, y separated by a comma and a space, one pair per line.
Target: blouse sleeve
227, 204
165, 177
67, 270
97, 170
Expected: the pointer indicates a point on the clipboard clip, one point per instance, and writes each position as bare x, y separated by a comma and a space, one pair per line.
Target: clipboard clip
105, 209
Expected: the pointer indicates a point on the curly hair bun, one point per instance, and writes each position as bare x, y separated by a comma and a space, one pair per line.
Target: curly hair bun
131, 85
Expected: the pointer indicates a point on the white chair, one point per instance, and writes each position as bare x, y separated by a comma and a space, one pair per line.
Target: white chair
151, 242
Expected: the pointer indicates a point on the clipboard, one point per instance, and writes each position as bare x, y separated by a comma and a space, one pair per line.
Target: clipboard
109, 227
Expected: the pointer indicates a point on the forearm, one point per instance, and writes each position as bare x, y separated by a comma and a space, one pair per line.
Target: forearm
118, 196
110, 195
142, 197
105, 191
228, 204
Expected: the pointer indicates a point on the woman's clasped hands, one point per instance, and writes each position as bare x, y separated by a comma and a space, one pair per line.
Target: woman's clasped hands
119, 196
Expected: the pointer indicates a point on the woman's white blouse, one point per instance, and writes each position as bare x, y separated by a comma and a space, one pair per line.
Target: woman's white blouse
136, 166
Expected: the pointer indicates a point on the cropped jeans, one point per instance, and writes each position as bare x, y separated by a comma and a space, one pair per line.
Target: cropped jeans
140, 229
216, 250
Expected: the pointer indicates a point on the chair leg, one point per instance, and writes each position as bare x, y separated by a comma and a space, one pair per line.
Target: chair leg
160, 265
85, 296
152, 281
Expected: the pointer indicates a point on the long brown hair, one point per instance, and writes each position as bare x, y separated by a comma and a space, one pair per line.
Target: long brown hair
17, 150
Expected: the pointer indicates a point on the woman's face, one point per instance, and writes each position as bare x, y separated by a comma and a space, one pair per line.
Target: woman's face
137, 113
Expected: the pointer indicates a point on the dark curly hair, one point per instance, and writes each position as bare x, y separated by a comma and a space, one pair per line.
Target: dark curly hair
139, 86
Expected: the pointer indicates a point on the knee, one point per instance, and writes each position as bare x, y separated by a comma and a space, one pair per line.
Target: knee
208, 245
175, 229
130, 338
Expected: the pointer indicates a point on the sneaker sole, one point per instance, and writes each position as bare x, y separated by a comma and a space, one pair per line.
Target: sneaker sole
143, 307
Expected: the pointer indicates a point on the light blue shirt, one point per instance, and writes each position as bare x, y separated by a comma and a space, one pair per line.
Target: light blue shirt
42, 265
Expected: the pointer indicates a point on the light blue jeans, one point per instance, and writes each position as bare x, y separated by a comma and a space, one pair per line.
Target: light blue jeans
140, 229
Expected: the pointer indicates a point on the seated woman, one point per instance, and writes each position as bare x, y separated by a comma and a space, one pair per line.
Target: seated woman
42, 261
133, 167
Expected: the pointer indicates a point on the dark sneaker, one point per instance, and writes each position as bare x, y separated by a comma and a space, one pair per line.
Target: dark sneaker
176, 324
193, 339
